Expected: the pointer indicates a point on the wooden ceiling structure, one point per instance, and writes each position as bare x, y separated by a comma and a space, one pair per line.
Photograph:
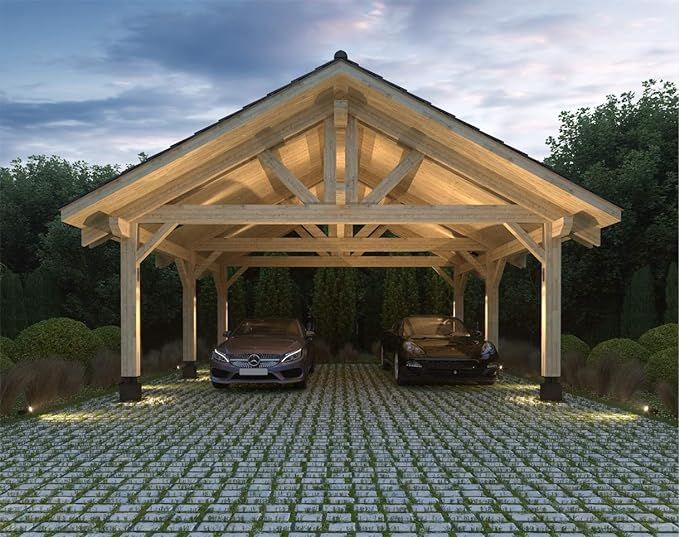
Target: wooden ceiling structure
344, 149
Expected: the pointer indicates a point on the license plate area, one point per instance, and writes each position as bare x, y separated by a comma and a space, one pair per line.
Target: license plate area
253, 372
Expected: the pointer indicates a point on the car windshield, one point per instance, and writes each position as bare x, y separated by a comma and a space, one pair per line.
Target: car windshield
433, 327
268, 327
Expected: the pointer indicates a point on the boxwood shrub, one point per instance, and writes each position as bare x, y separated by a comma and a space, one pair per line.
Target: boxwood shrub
9, 349
109, 336
662, 366
59, 337
5, 363
660, 337
619, 349
571, 344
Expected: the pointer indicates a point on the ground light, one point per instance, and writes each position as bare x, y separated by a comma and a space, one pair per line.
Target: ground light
30, 409
646, 408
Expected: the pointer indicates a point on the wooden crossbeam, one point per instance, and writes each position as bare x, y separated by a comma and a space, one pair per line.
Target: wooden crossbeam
313, 261
444, 276
351, 152
202, 267
154, 240
408, 164
336, 214
524, 238
235, 276
329, 161
336, 245
270, 163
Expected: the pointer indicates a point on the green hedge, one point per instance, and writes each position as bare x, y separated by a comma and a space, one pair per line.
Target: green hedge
662, 366
59, 337
660, 337
619, 349
5, 363
109, 336
9, 349
570, 343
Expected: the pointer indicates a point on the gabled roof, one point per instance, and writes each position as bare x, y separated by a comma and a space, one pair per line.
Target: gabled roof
462, 165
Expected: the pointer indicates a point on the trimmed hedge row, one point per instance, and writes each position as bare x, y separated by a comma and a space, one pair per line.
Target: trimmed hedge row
9, 349
619, 349
573, 344
660, 338
662, 367
59, 337
109, 337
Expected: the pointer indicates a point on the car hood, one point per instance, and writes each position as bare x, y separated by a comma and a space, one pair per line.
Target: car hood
453, 347
260, 344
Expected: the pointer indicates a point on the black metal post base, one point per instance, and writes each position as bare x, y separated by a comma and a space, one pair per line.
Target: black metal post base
189, 370
550, 390
129, 389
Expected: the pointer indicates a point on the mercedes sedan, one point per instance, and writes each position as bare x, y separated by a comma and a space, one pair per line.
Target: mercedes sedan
435, 348
263, 351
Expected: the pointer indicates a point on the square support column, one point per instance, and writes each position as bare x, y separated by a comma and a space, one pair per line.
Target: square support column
459, 285
130, 318
550, 325
222, 303
494, 270
188, 278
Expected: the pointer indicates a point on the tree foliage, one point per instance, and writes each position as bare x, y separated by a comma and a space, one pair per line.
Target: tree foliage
401, 295
437, 296
12, 305
335, 305
638, 307
274, 293
671, 294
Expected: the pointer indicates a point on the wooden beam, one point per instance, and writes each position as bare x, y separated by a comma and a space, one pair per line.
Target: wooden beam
340, 113
91, 237
351, 152
269, 162
235, 276
189, 336
550, 311
444, 275
474, 262
334, 214
408, 164
203, 266
119, 226
130, 305
154, 240
494, 270
466, 168
459, 285
336, 245
312, 261
329, 161
524, 238
219, 278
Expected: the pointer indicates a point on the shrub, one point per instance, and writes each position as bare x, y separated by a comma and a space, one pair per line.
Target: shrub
5, 363
52, 379
660, 337
626, 380
13, 385
570, 343
109, 337
520, 357
105, 369
668, 395
662, 367
572, 362
619, 350
9, 349
60, 337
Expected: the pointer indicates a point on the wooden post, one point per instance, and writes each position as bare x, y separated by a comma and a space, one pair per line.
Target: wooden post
187, 276
550, 329
222, 303
459, 284
494, 270
130, 349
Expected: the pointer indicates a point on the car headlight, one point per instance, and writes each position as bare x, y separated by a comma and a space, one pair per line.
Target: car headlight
487, 350
219, 356
292, 356
412, 348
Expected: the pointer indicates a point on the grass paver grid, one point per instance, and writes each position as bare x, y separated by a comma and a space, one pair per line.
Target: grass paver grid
351, 455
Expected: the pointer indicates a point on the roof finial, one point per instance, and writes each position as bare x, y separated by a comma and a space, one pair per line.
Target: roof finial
341, 55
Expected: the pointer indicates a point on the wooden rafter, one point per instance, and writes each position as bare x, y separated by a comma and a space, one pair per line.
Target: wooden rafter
312, 261
270, 163
407, 165
524, 238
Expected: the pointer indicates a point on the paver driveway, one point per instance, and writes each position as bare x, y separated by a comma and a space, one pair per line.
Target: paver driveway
353, 454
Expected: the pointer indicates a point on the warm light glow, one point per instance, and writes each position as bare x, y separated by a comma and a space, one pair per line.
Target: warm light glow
30, 408
646, 408
501, 367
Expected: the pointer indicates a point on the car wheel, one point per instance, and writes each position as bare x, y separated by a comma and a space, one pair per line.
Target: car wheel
398, 375
220, 386
383, 361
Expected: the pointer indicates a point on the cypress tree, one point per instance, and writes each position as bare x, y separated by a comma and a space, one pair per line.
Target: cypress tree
237, 302
638, 310
401, 295
41, 291
274, 293
438, 296
335, 305
671, 294
12, 306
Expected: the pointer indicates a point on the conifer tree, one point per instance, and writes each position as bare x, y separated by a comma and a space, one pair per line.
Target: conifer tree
438, 296
401, 295
638, 310
12, 306
274, 293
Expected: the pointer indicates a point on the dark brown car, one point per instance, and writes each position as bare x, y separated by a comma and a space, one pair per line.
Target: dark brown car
263, 351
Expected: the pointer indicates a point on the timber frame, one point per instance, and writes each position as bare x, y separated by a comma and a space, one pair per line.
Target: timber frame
380, 169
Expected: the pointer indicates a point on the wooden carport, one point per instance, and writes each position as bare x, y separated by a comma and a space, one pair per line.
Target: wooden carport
339, 146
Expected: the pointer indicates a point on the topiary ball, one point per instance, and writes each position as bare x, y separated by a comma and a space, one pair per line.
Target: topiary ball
620, 350
5, 362
109, 336
662, 366
9, 349
573, 344
660, 337
58, 337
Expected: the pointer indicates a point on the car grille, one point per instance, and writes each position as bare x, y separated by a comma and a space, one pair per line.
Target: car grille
265, 360
452, 364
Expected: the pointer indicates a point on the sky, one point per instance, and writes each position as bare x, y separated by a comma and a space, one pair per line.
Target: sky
102, 80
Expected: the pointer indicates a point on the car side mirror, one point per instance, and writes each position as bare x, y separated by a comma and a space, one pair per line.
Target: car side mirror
227, 333
309, 334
